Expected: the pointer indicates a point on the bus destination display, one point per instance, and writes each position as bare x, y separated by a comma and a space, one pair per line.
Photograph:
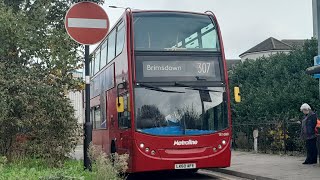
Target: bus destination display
178, 69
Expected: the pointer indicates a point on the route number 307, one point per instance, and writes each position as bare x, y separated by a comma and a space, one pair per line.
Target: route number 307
203, 68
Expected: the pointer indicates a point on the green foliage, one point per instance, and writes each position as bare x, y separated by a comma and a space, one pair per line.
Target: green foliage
34, 169
272, 91
37, 59
277, 137
108, 168
242, 141
274, 88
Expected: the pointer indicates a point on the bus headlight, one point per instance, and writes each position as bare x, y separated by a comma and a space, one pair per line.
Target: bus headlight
220, 147
224, 142
153, 152
141, 145
214, 149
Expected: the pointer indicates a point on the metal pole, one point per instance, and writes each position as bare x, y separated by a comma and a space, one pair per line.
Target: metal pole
248, 142
318, 35
88, 124
318, 23
284, 134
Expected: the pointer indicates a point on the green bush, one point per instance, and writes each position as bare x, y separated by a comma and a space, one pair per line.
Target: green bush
36, 64
241, 141
108, 168
39, 122
272, 90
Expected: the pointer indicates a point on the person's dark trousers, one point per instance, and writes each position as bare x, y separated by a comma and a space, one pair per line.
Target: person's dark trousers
312, 152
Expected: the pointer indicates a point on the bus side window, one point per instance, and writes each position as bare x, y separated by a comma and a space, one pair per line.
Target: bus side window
104, 54
91, 117
103, 108
120, 38
97, 62
96, 117
111, 45
124, 117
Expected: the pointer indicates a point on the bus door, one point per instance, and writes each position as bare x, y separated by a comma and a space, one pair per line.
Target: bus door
124, 126
104, 123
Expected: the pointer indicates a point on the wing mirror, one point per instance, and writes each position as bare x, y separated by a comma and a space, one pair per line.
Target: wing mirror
237, 96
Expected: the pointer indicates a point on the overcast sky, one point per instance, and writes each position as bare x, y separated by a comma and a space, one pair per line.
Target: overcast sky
243, 23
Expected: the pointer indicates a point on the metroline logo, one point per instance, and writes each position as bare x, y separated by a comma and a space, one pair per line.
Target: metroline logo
183, 143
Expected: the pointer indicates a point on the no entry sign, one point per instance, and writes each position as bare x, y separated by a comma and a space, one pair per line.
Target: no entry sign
87, 23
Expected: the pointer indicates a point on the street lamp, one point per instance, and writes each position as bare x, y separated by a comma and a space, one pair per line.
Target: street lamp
119, 7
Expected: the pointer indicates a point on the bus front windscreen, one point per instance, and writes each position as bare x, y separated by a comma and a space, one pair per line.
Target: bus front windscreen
168, 31
179, 111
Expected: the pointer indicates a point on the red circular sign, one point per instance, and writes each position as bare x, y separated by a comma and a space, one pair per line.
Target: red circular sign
87, 23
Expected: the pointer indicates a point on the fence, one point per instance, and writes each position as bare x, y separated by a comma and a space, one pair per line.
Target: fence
273, 137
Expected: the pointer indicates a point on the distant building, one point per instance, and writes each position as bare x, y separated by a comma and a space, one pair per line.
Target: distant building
77, 100
271, 46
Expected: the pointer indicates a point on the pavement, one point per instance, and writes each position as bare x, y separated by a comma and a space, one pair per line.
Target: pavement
266, 166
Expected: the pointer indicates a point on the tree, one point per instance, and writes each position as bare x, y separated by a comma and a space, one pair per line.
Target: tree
272, 90
37, 59
274, 87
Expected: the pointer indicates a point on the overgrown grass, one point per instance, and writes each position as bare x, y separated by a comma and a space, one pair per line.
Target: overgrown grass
33, 169
104, 168
108, 167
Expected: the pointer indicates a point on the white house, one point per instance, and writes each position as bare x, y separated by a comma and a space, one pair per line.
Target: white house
269, 47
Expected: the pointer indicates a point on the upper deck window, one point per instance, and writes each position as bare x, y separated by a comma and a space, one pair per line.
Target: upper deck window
167, 31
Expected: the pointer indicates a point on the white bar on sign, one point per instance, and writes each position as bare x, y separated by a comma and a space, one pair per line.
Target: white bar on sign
87, 23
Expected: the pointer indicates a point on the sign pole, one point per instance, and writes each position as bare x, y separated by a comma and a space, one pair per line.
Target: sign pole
88, 124
87, 23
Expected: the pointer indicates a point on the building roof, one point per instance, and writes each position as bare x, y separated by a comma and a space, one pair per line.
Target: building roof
232, 62
267, 45
295, 43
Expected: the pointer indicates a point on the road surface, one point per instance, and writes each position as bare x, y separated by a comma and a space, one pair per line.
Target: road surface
165, 175
201, 175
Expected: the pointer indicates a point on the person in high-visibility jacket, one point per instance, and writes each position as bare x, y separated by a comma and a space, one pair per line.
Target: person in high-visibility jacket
308, 133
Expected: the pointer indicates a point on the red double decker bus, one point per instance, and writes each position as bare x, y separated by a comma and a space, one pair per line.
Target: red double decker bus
159, 91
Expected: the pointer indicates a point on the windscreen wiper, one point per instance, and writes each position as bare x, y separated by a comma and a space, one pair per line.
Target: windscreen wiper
154, 88
195, 88
200, 78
